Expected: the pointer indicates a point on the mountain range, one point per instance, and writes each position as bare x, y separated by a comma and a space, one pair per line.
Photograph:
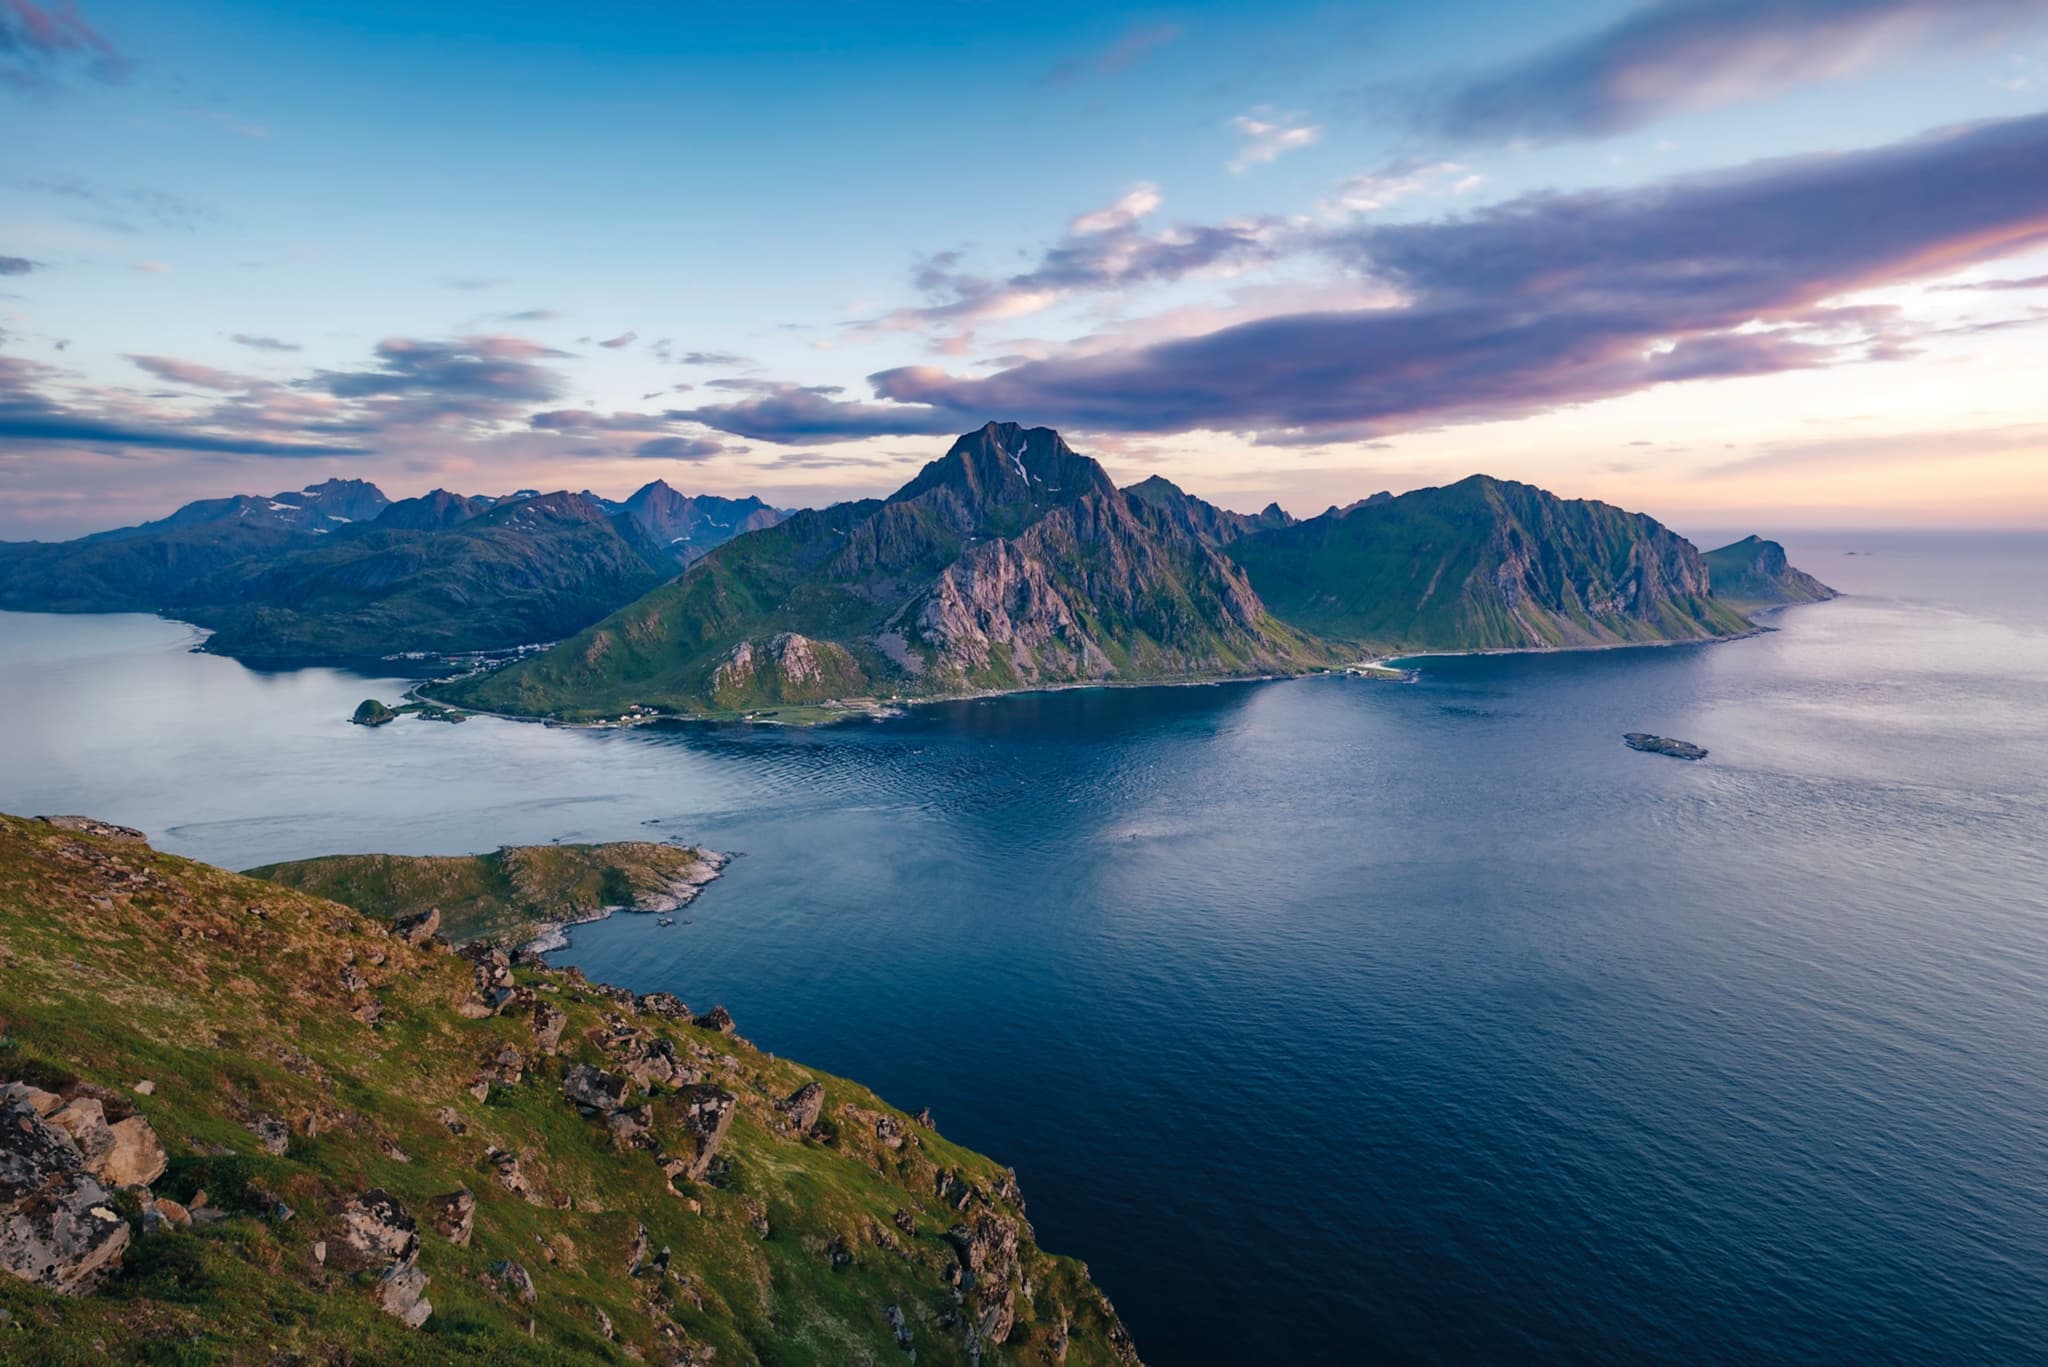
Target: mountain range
338, 571
1013, 562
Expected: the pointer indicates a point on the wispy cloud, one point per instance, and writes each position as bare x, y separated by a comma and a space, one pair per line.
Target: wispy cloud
256, 343
175, 371
1265, 136
1129, 48
16, 265
624, 339
481, 378
39, 43
29, 413
1669, 55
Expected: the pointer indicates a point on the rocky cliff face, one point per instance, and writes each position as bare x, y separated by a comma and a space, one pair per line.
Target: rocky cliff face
311, 1135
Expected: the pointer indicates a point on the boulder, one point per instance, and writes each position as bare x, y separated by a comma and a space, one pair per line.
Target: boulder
548, 1020
374, 1232
417, 930
703, 1114
454, 1216
35, 1098
594, 1089
402, 1294
84, 1120
138, 1156
271, 1133
57, 1228
664, 1004
899, 1326
804, 1106
717, 1018
516, 1280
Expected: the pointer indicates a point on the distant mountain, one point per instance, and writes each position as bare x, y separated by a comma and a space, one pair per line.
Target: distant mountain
1486, 564
338, 571
1013, 561
1754, 573
687, 525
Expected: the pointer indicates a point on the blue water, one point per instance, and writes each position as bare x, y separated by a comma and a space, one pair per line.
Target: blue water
1328, 1020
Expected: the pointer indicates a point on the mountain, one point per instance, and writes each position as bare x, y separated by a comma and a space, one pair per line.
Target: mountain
240, 1123
1012, 561
337, 571
687, 525
1485, 564
1754, 573
523, 572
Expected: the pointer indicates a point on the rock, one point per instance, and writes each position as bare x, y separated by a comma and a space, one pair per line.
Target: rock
138, 1156
594, 1089
172, 1214
35, 1098
636, 1256
417, 930
703, 1113
548, 1020
145, 1088
516, 1280
717, 1018
85, 825
604, 1323
838, 1254
888, 1131
450, 1117
511, 1177
898, 1326
454, 1216
401, 1293
904, 1221
924, 1116
630, 1128
374, 1232
803, 1106
84, 1120
1663, 745
664, 1004
987, 1251
57, 1228
271, 1133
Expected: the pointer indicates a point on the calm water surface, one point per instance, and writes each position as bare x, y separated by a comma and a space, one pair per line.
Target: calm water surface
1329, 1021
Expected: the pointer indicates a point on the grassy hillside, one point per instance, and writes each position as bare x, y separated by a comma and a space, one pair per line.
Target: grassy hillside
1753, 573
507, 896
310, 1071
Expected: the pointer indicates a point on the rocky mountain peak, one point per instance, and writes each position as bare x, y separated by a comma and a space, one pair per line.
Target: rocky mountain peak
1007, 475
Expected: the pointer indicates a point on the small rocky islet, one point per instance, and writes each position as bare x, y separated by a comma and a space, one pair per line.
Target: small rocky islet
1663, 745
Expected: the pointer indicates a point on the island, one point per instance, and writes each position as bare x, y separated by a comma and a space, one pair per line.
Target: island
241, 1122
1663, 745
371, 712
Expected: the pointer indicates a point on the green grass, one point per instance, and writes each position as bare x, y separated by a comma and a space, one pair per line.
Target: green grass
122, 964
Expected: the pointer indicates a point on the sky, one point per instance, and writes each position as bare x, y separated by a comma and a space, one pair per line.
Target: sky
1735, 263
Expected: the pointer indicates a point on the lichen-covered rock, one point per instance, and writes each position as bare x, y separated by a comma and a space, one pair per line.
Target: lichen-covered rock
595, 1089
402, 1294
138, 1156
373, 1231
987, 1250
273, 1134
84, 1121
516, 1280
702, 1114
804, 1106
454, 1216
547, 1020
717, 1018
57, 1228
417, 930
86, 825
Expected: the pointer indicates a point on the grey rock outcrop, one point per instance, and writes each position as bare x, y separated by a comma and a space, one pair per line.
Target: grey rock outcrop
57, 1228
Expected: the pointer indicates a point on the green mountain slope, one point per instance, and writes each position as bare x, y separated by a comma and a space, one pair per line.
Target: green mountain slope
1485, 564
1012, 561
241, 1124
1753, 573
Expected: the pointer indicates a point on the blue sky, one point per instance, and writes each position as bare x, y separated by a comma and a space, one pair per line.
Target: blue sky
784, 250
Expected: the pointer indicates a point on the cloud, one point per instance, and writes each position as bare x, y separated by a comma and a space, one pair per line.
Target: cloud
1267, 136
479, 378
1385, 188
680, 448
530, 316
131, 210
795, 413
175, 371
1556, 299
2031, 282
712, 358
1103, 249
152, 267
262, 343
17, 265
624, 339
38, 41
584, 420
1669, 55
1135, 43
28, 414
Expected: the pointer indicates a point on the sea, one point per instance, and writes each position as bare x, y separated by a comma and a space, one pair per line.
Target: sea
1329, 1020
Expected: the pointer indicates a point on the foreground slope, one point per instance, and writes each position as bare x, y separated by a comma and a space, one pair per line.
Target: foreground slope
376, 1150
1011, 561
1486, 564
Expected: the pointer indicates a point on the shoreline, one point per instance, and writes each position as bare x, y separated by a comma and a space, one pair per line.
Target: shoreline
551, 936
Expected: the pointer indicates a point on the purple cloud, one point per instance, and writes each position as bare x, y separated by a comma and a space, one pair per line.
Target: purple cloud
16, 265
1553, 299
680, 448
624, 339
482, 378
175, 371
255, 343
37, 40
1676, 54
28, 414
796, 413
